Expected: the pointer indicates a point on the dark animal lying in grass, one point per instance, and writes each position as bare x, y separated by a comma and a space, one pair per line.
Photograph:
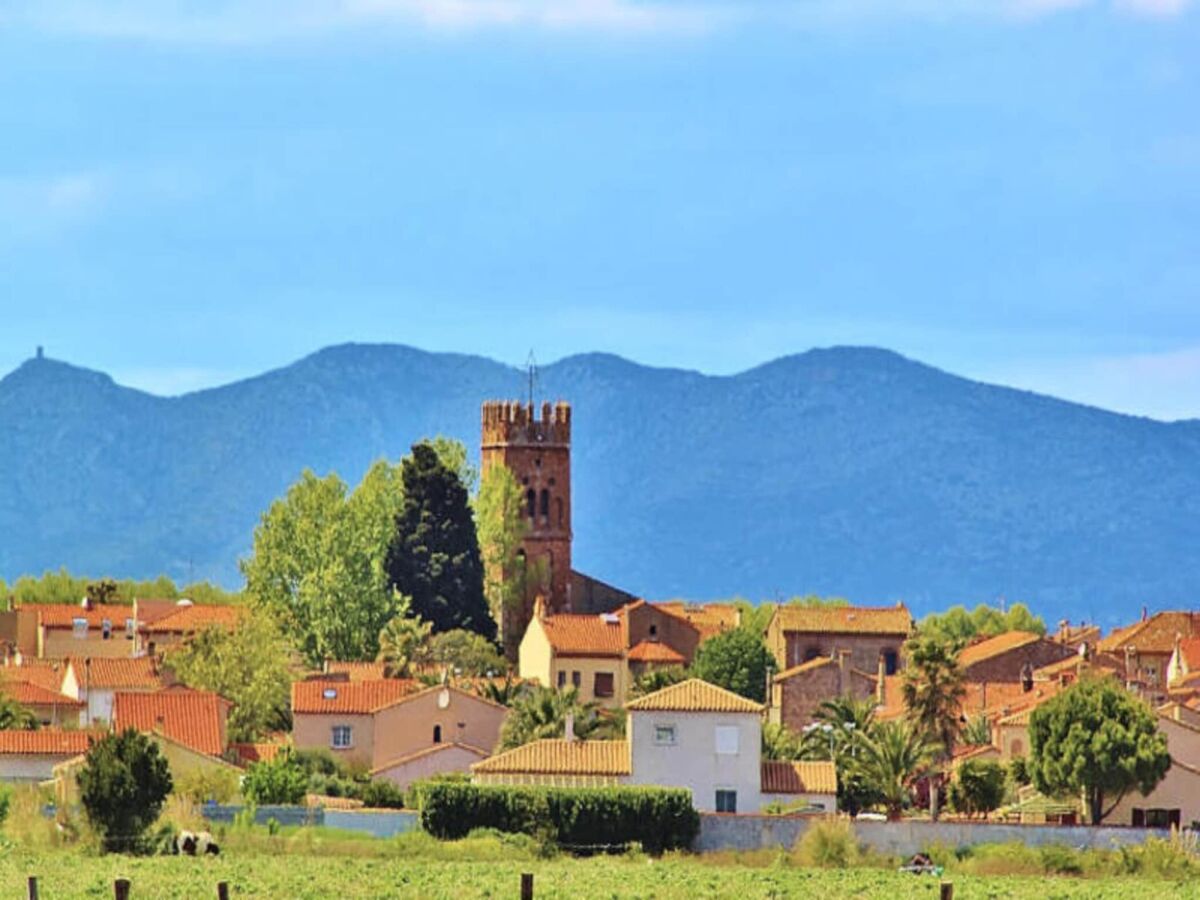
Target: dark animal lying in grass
196, 843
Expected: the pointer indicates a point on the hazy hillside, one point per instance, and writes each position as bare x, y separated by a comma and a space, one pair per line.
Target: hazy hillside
851, 471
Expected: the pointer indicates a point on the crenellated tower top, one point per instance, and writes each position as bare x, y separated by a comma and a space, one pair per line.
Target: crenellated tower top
513, 423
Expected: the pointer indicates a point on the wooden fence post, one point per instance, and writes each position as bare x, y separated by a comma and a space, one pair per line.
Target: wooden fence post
121, 889
526, 886
947, 890
222, 890
33, 891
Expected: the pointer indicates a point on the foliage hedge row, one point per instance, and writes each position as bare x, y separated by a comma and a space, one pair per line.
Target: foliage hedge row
576, 818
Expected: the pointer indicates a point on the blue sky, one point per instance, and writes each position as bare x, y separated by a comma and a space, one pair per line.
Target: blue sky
1009, 189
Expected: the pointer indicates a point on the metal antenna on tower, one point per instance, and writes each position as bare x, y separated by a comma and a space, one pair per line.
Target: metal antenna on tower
531, 368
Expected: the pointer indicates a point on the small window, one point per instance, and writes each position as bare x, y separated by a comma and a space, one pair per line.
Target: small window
106, 629
130, 629
329, 693
603, 684
341, 737
531, 503
727, 739
79, 627
653, 631
545, 504
727, 801
891, 662
562, 678
811, 653
664, 735
576, 679
437, 734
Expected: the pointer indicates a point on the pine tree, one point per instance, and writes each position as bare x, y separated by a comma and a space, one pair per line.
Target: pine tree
434, 556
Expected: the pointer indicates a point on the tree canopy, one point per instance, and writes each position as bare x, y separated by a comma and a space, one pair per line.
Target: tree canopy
434, 555
122, 786
978, 787
541, 712
63, 587
1097, 739
502, 526
933, 691
957, 626
737, 660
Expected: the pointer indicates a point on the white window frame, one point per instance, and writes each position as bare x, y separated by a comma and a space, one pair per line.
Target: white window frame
79, 627
727, 740
665, 735
336, 732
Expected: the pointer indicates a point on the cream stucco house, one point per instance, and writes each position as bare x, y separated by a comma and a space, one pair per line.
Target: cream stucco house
691, 735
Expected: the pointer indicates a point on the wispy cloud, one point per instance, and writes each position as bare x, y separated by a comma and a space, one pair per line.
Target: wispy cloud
252, 21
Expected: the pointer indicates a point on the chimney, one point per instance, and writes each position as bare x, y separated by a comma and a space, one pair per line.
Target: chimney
1130, 664
1145, 614
539, 607
1027, 678
569, 729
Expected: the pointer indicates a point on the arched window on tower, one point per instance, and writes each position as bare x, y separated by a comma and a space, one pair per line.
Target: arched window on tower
545, 505
437, 734
559, 504
531, 502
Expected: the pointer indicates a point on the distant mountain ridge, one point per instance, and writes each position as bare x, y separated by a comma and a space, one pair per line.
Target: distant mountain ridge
850, 471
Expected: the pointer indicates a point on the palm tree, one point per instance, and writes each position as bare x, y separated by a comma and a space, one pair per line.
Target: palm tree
655, 680
505, 693
402, 642
15, 717
542, 712
978, 730
779, 742
833, 735
889, 758
933, 691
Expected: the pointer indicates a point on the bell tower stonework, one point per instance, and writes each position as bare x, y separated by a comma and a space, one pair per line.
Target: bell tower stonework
537, 450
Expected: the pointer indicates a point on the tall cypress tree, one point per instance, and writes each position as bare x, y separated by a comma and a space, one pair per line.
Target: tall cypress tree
434, 556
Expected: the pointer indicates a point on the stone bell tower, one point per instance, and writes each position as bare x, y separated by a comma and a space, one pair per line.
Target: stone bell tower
537, 450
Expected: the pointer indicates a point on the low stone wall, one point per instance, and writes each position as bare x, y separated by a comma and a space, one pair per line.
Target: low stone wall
754, 832
284, 815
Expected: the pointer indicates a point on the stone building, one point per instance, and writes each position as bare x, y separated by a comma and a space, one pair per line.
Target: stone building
1011, 656
798, 634
797, 692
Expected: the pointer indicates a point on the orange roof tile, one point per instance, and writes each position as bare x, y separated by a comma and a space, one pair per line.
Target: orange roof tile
780, 777
189, 619
1189, 649
818, 662
891, 620
710, 619
695, 695
981, 697
152, 609
350, 697
252, 752
578, 635
120, 673
429, 751
45, 673
46, 741
1154, 635
357, 671
192, 718
560, 757
34, 695
63, 615
994, 646
655, 652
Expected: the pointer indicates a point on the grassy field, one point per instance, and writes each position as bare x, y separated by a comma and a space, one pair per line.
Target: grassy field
71, 874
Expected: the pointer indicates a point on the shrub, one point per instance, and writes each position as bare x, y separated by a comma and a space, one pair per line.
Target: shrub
381, 793
122, 786
280, 780
830, 844
581, 819
6, 796
201, 786
978, 787
1060, 860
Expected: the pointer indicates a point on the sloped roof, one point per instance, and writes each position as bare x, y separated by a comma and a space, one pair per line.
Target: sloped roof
1189, 649
890, 620
34, 695
994, 646
151, 609
560, 757
1154, 635
118, 673
695, 695
357, 671
779, 777
350, 697
46, 741
248, 752
189, 619
63, 615
191, 718
45, 673
981, 697
571, 634
428, 751
709, 619
655, 652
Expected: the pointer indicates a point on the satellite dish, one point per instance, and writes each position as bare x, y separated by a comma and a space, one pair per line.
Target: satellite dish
443, 698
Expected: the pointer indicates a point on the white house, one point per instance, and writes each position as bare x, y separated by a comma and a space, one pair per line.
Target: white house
691, 735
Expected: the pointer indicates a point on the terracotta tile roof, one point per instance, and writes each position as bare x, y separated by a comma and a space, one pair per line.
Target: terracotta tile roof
192, 718
263, 751
48, 674
655, 652
1189, 649
981, 697
994, 646
34, 695
892, 620
1155, 635
152, 609
710, 619
798, 777
63, 615
430, 751
117, 673
189, 619
350, 697
964, 752
695, 695
46, 741
358, 671
560, 757
812, 665
579, 635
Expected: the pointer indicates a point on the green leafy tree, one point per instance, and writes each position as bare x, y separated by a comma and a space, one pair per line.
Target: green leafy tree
466, 654
542, 712
63, 587
502, 527
279, 780
656, 679
14, 716
957, 626
977, 731
453, 455
780, 742
318, 563
889, 758
434, 556
978, 787
834, 735
248, 665
933, 691
753, 617
1097, 740
737, 660
122, 786
504, 692
403, 640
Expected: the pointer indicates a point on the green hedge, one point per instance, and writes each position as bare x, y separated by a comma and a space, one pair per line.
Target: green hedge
586, 819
